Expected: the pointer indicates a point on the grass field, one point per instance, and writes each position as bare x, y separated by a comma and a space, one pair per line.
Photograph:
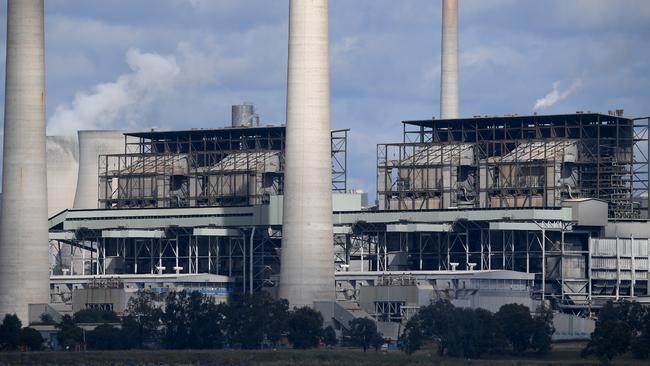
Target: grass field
562, 354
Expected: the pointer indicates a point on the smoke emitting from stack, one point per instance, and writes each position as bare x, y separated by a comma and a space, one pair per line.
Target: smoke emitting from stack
306, 271
449, 88
24, 262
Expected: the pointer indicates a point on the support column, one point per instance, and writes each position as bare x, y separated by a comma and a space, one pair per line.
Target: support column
307, 273
24, 262
449, 89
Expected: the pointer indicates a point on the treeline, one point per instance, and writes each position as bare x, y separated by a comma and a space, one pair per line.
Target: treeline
195, 321
14, 337
621, 328
473, 333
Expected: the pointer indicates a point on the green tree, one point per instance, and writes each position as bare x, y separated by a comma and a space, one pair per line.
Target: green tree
543, 330
610, 338
470, 329
630, 312
641, 343
516, 325
175, 321
132, 333
252, 319
70, 335
488, 339
104, 337
10, 332
304, 327
142, 320
329, 336
439, 322
412, 337
275, 316
31, 339
618, 327
362, 332
207, 324
192, 321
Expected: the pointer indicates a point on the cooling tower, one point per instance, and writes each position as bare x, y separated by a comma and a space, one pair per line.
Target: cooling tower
62, 170
449, 94
24, 263
307, 273
91, 145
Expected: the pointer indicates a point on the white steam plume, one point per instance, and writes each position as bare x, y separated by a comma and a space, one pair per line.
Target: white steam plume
556, 95
126, 102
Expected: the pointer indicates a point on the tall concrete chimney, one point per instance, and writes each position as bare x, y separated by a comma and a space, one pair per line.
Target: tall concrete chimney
24, 260
307, 272
449, 65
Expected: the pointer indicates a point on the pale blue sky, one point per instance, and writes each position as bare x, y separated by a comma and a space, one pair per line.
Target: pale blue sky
182, 63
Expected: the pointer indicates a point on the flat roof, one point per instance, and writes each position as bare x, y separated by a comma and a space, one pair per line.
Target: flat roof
207, 132
271, 215
495, 274
513, 120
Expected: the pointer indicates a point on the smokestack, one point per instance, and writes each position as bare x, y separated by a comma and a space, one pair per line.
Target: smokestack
24, 262
91, 145
307, 272
449, 94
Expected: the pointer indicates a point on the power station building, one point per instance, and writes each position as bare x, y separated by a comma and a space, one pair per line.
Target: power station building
481, 211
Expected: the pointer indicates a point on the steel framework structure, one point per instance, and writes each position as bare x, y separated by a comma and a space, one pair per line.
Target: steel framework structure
212, 167
516, 161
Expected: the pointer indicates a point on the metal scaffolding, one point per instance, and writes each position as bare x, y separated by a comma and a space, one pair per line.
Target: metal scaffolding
510, 162
211, 167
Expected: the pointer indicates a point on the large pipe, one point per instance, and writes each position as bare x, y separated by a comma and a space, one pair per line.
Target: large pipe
62, 170
24, 262
91, 145
307, 273
449, 89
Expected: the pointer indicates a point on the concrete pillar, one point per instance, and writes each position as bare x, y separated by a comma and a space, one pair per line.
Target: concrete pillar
91, 145
449, 95
24, 262
307, 270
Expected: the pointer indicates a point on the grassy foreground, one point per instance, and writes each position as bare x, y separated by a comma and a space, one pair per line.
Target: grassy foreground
562, 355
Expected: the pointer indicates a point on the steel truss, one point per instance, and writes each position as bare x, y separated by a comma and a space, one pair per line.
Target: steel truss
222, 167
557, 255
510, 162
250, 259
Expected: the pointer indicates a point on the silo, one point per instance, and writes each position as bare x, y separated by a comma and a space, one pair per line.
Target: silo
243, 115
62, 170
24, 263
91, 145
307, 272
449, 88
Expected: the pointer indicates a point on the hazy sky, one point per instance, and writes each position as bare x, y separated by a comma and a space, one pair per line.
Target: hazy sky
181, 63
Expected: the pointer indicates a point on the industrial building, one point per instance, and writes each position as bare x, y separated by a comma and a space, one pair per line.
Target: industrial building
481, 211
